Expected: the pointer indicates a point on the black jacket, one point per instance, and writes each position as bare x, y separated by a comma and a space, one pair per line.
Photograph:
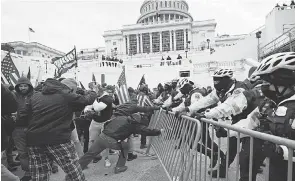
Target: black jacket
21, 99
50, 113
130, 108
122, 127
9, 105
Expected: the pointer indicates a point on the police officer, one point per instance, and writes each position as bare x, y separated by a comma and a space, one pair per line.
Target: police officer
278, 116
227, 91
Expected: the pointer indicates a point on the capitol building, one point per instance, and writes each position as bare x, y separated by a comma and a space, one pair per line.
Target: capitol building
164, 26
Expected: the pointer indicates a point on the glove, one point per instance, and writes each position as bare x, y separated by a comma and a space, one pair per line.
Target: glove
156, 108
80, 91
198, 115
167, 109
221, 132
272, 150
179, 115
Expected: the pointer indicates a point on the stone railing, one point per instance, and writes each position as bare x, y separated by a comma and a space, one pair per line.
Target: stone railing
109, 64
280, 41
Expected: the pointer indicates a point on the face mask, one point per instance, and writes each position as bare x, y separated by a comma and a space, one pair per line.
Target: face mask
269, 93
222, 83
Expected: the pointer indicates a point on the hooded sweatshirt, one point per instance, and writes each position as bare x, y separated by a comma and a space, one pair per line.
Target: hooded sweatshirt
50, 113
21, 99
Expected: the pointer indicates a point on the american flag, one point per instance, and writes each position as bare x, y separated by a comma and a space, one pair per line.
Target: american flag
121, 88
144, 100
9, 72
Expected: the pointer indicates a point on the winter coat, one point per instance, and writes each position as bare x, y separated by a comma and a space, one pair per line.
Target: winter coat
50, 113
21, 99
9, 105
122, 127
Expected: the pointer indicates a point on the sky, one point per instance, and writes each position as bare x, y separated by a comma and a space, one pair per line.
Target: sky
63, 24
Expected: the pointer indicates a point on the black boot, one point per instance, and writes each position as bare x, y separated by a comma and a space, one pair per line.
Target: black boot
222, 168
131, 156
97, 159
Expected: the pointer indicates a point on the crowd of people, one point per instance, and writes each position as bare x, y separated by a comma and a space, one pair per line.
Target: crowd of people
58, 123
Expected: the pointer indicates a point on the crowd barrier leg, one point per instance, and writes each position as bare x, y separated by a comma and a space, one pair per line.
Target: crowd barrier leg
183, 141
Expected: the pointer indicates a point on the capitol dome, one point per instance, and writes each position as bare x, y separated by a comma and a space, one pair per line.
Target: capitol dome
163, 10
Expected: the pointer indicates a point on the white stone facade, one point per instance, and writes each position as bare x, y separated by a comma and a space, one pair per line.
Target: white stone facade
163, 26
34, 49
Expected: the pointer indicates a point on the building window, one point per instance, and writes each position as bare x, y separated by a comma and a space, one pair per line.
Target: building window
179, 39
156, 41
177, 5
114, 43
165, 4
161, 4
166, 41
172, 39
152, 6
149, 7
132, 45
18, 52
169, 3
186, 35
174, 4
146, 42
126, 45
139, 42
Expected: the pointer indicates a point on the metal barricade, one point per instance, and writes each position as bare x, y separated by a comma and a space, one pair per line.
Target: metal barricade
185, 145
175, 146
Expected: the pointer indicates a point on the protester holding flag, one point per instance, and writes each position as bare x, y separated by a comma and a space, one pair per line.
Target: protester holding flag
143, 100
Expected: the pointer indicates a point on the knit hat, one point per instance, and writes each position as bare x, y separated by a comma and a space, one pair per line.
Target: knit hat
70, 83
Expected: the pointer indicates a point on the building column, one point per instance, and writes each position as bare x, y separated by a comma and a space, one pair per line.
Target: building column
190, 38
151, 43
170, 32
137, 44
174, 39
153, 19
161, 43
128, 49
169, 16
141, 43
184, 37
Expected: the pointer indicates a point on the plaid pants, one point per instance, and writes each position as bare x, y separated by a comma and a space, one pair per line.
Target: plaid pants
64, 155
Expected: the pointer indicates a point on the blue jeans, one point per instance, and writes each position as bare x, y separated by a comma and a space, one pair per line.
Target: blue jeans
19, 137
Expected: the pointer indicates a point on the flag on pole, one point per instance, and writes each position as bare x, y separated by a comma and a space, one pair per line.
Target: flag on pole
65, 63
9, 72
93, 78
55, 74
144, 100
82, 86
121, 88
29, 74
142, 82
31, 30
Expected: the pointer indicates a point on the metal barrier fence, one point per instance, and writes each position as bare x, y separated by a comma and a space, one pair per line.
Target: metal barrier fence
185, 145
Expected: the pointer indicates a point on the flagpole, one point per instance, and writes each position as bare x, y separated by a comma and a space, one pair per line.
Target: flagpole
29, 34
76, 64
